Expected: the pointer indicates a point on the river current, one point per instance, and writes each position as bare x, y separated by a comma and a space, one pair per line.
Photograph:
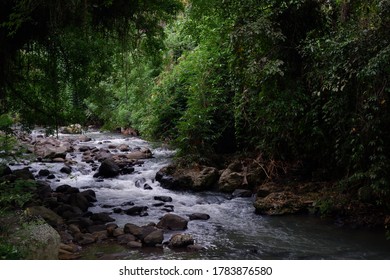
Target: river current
233, 231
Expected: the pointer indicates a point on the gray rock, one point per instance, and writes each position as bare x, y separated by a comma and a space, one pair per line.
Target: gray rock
85, 239
146, 230
44, 172
133, 229
84, 148
79, 200
38, 241
126, 238
159, 204
205, 179
230, 180
66, 189
117, 210
118, 232
154, 238
108, 169
136, 210
172, 222
123, 148
66, 169
90, 195
163, 198
84, 138
181, 240
134, 245
100, 235
101, 218
199, 216
48, 215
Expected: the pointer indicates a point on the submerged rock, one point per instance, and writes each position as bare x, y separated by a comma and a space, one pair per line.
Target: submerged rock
163, 198
136, 210
199, 216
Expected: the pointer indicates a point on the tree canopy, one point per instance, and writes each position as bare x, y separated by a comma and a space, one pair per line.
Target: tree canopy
299, 80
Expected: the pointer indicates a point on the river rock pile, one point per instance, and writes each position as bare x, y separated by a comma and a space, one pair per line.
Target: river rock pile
66, 208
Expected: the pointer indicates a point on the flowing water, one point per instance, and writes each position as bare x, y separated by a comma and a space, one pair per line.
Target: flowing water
234, 231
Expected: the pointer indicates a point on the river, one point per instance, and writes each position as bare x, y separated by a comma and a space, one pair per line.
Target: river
233, 231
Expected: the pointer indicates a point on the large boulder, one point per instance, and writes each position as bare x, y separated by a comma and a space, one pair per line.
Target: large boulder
230, 180
195, 177
51, 148
244, 174
38, 241
283, 203
232, 177
172, 222
48, 215
108, 169
205, 179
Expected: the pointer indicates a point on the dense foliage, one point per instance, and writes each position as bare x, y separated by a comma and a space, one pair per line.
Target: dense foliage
293, 80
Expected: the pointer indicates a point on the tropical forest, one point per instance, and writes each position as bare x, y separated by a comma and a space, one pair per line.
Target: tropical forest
194, 129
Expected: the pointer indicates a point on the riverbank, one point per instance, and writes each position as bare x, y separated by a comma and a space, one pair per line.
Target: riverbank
279, 192
123, 207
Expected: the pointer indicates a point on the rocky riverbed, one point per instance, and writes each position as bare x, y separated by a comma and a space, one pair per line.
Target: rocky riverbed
108, 191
